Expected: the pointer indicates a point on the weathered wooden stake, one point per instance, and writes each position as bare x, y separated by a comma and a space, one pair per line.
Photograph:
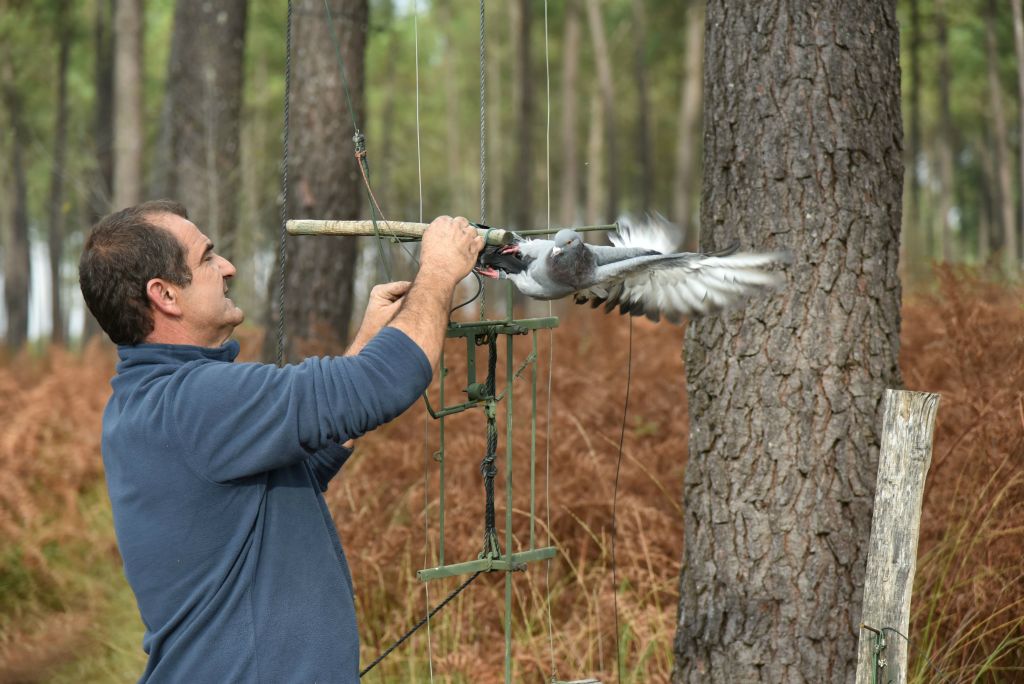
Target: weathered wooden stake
908, 423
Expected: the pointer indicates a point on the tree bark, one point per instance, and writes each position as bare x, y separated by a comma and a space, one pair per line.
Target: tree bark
569, 143
324, 176
688, 141
129, 133
643, 119
523, 214
803, 150
205, 78
17, 270
947, 135
56, 217
606, 85
1007, 206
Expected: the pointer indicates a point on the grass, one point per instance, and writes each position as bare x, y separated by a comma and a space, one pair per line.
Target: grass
66, 612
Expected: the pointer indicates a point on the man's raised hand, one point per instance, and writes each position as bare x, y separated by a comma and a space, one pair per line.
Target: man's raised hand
450, 248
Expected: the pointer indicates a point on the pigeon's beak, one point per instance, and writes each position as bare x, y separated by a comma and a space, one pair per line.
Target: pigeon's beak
555, 251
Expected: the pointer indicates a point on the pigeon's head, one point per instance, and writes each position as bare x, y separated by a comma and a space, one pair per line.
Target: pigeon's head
566, 240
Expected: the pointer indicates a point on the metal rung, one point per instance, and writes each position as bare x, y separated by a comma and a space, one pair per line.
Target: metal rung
515, 562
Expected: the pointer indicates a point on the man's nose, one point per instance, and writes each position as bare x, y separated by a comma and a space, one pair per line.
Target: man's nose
227, 269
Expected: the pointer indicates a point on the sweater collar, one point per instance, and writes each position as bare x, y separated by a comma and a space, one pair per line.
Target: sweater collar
146, 353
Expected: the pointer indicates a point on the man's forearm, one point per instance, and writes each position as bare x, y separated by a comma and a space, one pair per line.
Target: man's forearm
424, 314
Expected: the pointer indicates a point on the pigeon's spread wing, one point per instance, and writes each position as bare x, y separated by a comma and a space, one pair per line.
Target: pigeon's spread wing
677, 285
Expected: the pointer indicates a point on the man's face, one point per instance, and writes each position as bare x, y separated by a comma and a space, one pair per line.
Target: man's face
206, 309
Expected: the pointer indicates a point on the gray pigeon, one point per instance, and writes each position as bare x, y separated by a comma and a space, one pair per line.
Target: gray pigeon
641, 273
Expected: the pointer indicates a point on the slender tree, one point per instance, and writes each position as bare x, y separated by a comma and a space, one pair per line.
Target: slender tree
323, 173
687, 169
606, 85
523, 215
129, 132
17, 267
568, 143
947, 134
642, 143
205, 76
57, 171
918, 249
1001, 147
1018, 44
803, 151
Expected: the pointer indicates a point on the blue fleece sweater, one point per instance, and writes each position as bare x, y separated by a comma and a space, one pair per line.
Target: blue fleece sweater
215, 472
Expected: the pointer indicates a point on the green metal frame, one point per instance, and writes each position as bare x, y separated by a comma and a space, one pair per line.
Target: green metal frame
492, 558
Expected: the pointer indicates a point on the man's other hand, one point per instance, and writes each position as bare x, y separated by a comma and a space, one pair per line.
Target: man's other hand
384, 302
450, 248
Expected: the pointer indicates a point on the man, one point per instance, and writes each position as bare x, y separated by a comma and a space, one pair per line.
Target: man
216, 470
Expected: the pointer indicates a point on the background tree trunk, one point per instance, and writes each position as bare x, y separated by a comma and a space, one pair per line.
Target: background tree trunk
1018, 44
946, 137
643, 115
803, 151
103, 112
688, 126
606, 85
57, 171
17, 269
324, 175
205, 78
569, 143
1001, 148
523, 214
129, 133
918, 250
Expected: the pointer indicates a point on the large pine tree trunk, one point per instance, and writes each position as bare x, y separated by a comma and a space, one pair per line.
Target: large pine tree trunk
803, 151
57, 171
205, 77
129, 133
323, 175
688, 126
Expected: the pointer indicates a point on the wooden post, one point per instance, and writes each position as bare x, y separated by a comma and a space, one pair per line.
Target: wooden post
908, 423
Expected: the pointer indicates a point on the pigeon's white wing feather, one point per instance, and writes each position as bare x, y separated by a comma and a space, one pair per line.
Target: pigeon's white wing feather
677, 285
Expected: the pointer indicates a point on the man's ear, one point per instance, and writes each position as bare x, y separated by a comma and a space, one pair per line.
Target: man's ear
163, 296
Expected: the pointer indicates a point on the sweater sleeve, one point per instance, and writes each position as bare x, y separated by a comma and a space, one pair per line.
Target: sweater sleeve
236, 420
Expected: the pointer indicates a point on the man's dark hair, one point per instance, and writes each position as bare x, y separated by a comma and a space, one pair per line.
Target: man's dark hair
123, 252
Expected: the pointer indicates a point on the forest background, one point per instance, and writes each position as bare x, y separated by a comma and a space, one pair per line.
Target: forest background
623, 126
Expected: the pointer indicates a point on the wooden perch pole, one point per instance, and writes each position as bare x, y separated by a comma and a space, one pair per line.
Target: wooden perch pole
908, 423
385, 229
